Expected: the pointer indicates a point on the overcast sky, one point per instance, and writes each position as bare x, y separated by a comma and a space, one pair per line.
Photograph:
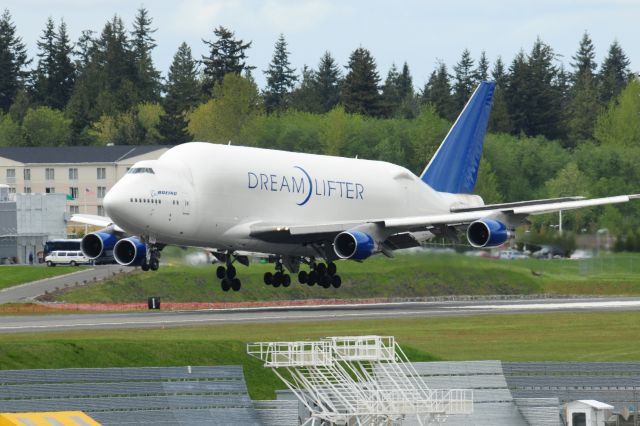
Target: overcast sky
418, 32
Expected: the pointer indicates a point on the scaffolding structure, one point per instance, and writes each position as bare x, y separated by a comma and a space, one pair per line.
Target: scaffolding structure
355, 380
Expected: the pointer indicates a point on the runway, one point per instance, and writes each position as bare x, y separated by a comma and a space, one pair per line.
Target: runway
64, 322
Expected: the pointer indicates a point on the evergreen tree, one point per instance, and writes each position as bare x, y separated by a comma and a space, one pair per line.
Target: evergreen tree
360, 89
516, 92
83, 49
463, 81
54, 76
280, 79
481, 72
13, 58
583, 105
303, 97
226, 55
437, 92
183, 94
499, 120
391, 96
614, 73
326, 83
142, 43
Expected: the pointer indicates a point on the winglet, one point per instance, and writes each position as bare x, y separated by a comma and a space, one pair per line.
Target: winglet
454, 167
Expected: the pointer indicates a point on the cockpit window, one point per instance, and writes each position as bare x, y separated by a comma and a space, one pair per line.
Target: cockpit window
135, 170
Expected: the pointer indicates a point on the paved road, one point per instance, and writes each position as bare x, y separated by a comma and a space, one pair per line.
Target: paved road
26, 292
14, 324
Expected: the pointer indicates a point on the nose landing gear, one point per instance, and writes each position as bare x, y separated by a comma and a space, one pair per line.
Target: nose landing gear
152, 261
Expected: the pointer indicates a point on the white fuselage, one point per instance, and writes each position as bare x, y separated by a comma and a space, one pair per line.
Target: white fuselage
208, 195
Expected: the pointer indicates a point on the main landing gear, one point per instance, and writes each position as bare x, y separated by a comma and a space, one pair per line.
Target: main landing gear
152, 262
325, 275
227, 275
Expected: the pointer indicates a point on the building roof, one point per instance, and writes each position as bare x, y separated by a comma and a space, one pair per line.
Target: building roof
595, 404
77, 154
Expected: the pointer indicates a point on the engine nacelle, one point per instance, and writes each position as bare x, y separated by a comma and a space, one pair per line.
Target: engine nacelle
487, 233
354, 245
98, 244
130, 252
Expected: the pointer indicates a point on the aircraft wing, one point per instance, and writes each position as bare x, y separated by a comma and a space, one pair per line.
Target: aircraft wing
95, 220
317, 232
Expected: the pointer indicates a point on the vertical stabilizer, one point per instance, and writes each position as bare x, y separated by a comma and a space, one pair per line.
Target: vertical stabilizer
454, 167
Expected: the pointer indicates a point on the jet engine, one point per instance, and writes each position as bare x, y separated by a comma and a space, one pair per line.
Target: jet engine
487, 233
130, 252
354, 245
98, 244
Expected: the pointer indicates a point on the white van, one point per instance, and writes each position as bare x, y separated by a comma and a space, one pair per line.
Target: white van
71, 258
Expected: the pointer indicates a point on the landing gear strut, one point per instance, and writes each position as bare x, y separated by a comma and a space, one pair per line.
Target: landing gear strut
227, 275
279, 278
325, 275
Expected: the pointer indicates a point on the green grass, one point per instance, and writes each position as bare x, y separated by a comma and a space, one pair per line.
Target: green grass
404, 276
19, 274
514, 337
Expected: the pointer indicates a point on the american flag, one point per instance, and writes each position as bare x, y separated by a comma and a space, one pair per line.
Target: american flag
88, 191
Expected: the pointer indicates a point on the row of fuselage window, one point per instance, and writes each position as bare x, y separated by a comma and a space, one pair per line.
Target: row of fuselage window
151, 201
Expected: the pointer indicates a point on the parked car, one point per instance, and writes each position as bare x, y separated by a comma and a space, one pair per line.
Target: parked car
71, 258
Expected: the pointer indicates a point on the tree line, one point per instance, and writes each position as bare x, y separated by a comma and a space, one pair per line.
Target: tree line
553, 131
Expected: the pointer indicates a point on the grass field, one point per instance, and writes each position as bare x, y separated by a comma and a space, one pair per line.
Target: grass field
524, 337
404, 276
19, 274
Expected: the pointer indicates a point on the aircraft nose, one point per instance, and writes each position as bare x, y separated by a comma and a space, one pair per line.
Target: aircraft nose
114, 203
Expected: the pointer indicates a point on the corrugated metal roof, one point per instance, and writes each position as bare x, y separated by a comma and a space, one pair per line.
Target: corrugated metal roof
77, 154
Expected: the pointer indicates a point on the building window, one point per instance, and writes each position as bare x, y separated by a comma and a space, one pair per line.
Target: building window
73, 191
73, 173
50, 190
11, 175
102, 173
102, 190
100, 211
74, 209
49, 174
27, 174
12, 190
27, 190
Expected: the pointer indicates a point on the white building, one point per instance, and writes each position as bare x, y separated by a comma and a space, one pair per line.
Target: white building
587, 412
83, 173
27, 221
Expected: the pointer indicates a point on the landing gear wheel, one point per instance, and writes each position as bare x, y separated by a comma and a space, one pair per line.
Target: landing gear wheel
268, 278
277, 279
231, 272
312, 279
336, 281
235, 284
154, 264
225, 284
286, 280
325, 281
145, 266
332, 268
221, 272
303, 277
321, 269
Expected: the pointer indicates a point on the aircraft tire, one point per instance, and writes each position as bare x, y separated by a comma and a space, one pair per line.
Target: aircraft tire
225, 284
236, 284
231, 272
303, 277
277, 279
332, 268
154, 264
221, 272
145, 266
286, 280
312, 278
321, 269
325, 281
336, 281
268, 278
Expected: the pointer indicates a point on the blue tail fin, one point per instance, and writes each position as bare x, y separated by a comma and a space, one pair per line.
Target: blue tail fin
454, 167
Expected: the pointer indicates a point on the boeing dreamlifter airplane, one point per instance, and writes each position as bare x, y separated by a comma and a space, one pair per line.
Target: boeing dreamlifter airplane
306, 209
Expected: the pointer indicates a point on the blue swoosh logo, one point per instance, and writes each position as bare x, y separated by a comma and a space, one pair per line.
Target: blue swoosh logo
310, 186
